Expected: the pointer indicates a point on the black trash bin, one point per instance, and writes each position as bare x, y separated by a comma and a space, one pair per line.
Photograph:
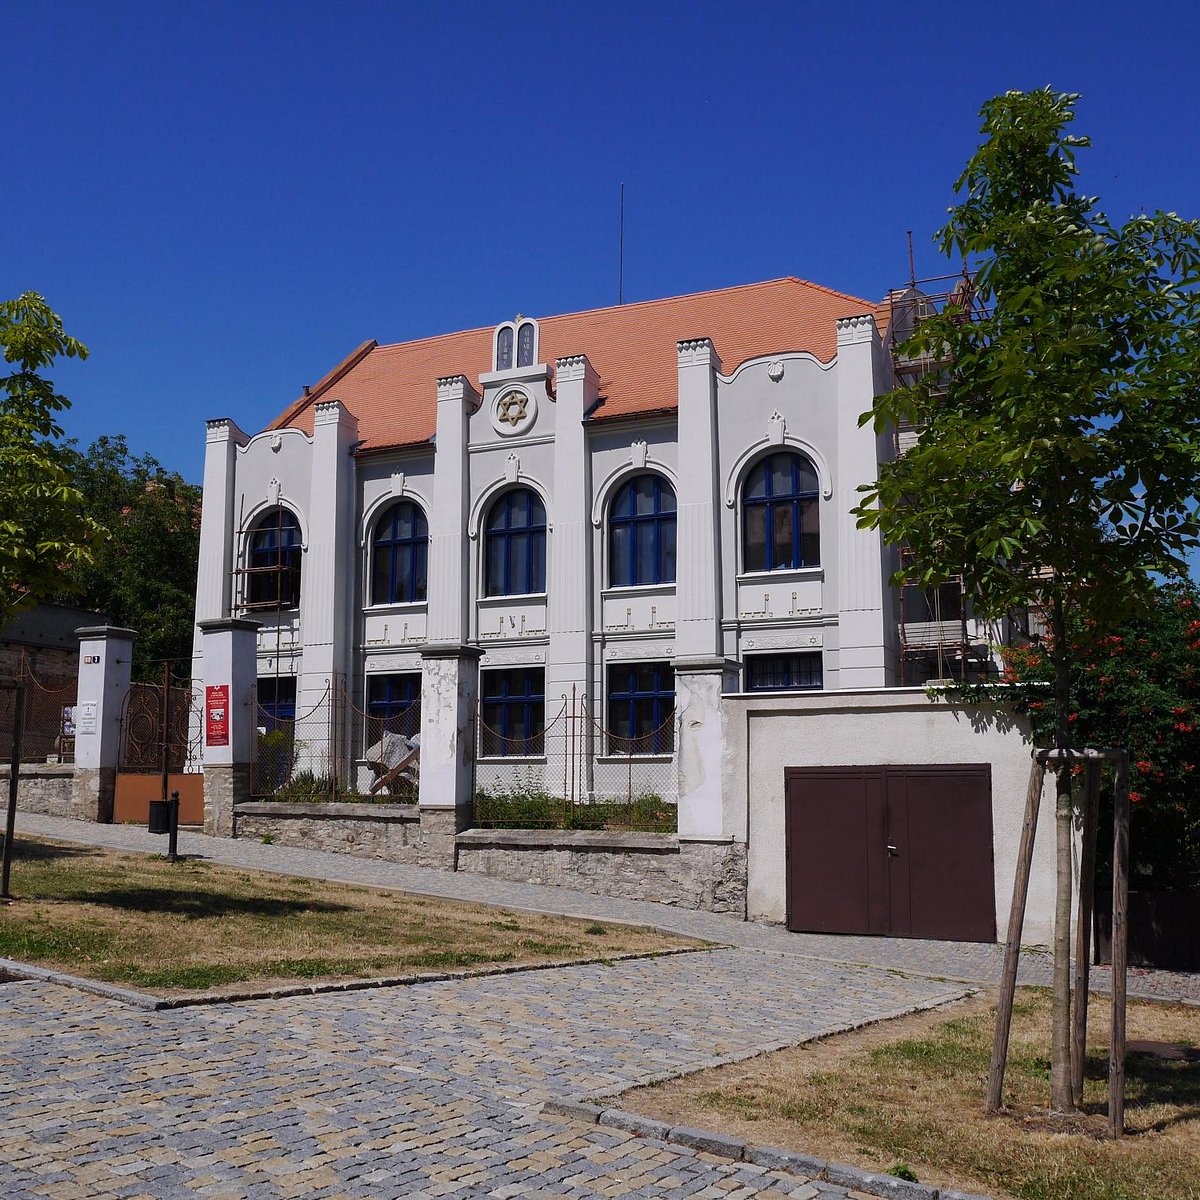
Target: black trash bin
160, 817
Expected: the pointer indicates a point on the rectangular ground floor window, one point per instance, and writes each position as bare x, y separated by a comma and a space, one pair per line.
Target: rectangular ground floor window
276, 700
512, 713
792, 671
641, 708
394, 704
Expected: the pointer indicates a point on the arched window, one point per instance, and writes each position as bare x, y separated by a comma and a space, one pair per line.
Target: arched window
273, 555
525, 344
400, 555
504, 348
641, 533
780, 522
515, 545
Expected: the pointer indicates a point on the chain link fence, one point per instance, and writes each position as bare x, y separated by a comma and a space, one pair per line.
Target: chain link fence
48, 707
575, 774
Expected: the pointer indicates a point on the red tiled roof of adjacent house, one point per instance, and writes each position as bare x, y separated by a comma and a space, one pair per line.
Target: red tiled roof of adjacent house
392, 389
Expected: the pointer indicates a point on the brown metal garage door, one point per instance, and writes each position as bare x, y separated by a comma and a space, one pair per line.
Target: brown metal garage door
900, 851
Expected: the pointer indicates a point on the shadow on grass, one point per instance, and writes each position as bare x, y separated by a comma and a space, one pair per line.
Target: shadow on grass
1152, 1079
198, 904
41, 852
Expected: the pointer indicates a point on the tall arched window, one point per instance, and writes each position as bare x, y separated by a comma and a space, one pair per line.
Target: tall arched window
780, 521
515, 545
641, 533
400, 555
273, 555
525, 339
504, 348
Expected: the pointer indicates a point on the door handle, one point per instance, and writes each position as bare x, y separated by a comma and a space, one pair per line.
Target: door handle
892, 851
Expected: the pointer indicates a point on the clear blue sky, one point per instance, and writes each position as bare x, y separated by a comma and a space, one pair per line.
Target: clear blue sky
224, 199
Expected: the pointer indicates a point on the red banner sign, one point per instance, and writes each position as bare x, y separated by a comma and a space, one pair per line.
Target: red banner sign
216, 715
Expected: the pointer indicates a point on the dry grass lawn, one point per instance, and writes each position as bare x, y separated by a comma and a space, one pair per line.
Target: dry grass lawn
177, 928
910, 1093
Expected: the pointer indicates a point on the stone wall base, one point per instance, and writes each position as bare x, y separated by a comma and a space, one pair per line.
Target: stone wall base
439, 830
93, 792
42, 789
224, 786
709, 876
390, 832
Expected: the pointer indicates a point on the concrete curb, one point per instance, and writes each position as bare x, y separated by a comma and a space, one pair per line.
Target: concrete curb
593, 1111
153, 1003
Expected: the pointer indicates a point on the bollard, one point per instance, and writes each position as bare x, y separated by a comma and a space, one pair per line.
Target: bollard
173, 839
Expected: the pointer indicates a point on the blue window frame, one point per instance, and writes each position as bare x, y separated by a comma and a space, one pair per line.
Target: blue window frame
784, 672
780, 520
276, 695
273, 558
504, 348
512, 710
525, 344
641, 533
393, 705
641, 708
515, 545
400, 555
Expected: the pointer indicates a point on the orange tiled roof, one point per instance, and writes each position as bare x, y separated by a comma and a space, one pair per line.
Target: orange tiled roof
391, 389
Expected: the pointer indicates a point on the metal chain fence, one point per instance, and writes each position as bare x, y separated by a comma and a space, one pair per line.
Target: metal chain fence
48, 701
575, 774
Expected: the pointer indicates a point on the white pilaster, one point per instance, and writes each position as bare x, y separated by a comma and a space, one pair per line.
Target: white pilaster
570, 567
863, 660
698, 585
327, 585
218, 537
449, 602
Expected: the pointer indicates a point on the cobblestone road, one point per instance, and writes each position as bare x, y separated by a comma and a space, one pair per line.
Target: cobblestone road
434, 1089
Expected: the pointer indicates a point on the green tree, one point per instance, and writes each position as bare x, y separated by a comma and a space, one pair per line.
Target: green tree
1137, 686
1059, 462
44, 531
144, 575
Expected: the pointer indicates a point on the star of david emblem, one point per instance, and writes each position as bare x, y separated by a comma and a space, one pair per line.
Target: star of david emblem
512, 409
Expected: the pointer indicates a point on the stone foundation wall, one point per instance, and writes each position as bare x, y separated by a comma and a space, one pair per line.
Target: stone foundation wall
386, 831
42, 789
705, 875
93, 791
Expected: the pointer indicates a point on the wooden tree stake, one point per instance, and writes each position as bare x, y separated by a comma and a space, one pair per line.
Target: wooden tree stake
1120, 949
1012, 947
1083, 931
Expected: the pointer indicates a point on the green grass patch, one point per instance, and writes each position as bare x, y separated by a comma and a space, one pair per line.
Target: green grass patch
140, 921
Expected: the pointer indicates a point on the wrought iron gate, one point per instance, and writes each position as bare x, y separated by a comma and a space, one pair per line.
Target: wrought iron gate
161, 749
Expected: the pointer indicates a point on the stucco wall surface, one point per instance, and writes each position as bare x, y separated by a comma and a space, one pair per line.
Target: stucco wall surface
767, 734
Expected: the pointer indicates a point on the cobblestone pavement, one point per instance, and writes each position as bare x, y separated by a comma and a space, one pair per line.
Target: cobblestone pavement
959, 961
433, 1089
421, 1091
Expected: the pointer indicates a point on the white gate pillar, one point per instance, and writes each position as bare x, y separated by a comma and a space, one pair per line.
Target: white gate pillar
230, 649
449, 687
105, 662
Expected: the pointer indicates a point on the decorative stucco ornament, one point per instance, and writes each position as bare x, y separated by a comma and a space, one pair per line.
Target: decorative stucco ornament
776, 428
512, 468
775, 371
637, 453
276, 443
274, 491
513, 412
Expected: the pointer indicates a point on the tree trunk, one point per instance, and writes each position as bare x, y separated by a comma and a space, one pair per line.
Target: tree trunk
1061, 1098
